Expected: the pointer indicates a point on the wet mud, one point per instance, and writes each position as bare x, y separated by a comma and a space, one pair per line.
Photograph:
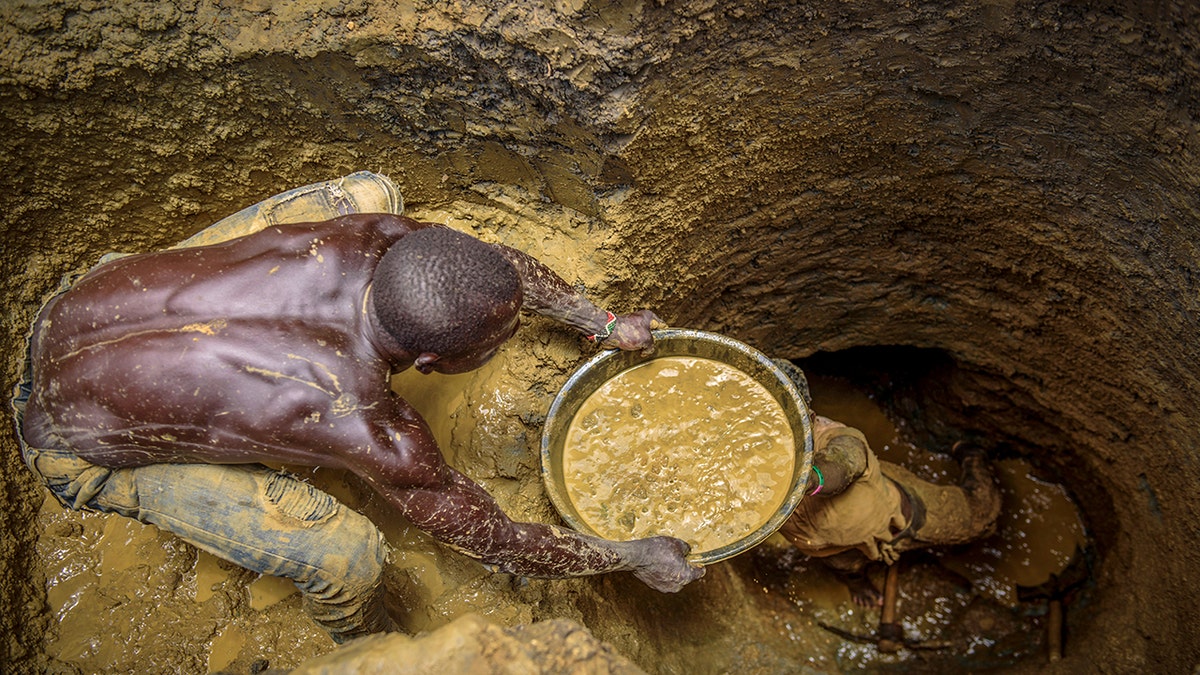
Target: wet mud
983, 216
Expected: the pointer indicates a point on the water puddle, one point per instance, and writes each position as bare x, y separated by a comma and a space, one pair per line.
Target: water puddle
266, 591
225, 648
210, 575
1038, 536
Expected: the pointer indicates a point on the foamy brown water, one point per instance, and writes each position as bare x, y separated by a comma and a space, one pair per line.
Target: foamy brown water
682, 446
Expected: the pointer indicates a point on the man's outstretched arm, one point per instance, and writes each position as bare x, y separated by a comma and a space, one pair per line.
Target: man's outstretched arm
402, 462
462, 515
546, 293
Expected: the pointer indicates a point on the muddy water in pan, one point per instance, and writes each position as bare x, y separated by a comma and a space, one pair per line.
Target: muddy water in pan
682, 446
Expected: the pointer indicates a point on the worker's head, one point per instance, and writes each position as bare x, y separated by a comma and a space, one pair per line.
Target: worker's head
447, 298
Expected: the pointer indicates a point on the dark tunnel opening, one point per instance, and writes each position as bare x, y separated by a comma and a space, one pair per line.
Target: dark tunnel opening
910, 384
905, 383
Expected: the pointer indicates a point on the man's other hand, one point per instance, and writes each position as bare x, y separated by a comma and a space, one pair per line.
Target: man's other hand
661, 563
633, 331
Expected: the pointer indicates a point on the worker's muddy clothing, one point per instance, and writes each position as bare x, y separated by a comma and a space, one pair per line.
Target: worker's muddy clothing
870, 515
259, 518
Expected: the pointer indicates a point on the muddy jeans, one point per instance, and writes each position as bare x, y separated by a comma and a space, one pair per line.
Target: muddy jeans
259, 518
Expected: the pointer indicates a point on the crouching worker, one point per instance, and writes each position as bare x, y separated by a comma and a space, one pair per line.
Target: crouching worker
859, 509
158, 385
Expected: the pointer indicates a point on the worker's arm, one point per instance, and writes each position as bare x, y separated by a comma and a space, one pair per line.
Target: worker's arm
841, 461
461, 514
546, 293
400, 459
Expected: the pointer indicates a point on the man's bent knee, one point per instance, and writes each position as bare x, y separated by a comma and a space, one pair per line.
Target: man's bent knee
346, 596
80, 485
346, 550
351, 570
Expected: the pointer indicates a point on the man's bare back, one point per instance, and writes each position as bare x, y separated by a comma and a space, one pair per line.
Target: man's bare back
226, 354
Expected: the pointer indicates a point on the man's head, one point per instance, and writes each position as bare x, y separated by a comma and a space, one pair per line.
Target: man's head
447, 298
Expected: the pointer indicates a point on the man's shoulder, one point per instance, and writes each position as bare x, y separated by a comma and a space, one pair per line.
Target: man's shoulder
384, 224
360, 232
827, 430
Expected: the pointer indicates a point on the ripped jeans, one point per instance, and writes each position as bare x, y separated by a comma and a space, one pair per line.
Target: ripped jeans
255, 517
261, 519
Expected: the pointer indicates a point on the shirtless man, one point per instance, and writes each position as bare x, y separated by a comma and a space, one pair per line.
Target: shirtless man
160, 382
859, 509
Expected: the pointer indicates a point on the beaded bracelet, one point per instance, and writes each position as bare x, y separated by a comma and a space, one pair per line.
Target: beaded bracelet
608, 327
820, 478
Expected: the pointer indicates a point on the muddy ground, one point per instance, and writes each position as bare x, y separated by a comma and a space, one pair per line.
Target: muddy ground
1010, 187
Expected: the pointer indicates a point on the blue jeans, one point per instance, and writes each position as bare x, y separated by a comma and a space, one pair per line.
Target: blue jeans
256, 517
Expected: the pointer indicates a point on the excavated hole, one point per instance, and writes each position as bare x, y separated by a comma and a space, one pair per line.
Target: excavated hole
913, 213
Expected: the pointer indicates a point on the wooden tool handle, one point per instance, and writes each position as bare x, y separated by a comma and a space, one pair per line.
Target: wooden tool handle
1054, 629
890, 633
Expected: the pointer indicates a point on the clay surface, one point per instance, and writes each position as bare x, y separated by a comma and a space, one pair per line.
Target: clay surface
471, 644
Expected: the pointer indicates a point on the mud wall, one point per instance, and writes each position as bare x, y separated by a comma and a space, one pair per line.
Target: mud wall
1013, 183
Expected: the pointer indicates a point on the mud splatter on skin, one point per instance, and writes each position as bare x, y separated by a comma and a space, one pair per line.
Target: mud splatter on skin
208, 327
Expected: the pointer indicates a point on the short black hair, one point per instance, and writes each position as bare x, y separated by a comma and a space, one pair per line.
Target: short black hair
441, 291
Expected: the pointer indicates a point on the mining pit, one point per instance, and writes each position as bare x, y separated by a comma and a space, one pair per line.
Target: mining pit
979, 217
